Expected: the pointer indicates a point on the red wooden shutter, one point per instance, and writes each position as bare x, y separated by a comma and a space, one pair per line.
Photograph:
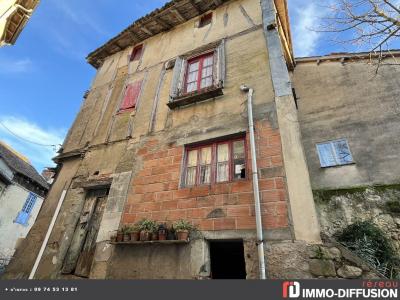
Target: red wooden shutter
131, 94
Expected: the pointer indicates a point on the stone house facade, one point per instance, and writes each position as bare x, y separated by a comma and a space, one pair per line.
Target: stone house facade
163, 134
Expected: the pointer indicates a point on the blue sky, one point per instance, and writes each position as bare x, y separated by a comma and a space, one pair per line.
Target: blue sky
44, 76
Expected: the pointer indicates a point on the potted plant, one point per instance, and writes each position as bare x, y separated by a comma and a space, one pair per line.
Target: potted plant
120, 236
135, 232
183, 228
171, 233
162, 232
146, 228
126, 229
113, 238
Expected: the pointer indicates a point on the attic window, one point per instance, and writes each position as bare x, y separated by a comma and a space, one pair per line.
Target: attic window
137, 53
205, 20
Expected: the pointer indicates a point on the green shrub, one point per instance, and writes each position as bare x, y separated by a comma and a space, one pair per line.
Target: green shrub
393, 206
370, 243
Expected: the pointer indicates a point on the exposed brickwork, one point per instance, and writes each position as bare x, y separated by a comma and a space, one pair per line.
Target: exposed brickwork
156, 194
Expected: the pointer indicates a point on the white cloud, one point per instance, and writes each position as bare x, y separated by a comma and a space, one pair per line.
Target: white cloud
30, 139
8, 66
307, 17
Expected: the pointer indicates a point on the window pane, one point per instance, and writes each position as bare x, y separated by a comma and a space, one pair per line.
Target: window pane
239, 167
191, 171
191, 176
342, 150
206, 82
192, 158
223, 163
194, 66
208, 61
326, 155
205, 168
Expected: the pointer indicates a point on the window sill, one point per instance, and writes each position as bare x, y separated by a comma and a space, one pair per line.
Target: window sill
211, 185
338, 166
128, 110
198, 96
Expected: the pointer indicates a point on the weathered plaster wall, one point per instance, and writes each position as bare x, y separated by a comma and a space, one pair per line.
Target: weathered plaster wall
98, 120
11, 202
350, 101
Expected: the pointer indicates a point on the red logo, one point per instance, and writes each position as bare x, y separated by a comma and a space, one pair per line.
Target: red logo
290, 289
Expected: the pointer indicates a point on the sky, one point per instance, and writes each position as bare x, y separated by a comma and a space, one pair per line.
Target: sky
44, 75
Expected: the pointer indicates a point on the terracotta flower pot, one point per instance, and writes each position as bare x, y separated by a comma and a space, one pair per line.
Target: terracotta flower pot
120, 237
162, 235
135, 236
154, 236
127, 237
145, 236
183, 235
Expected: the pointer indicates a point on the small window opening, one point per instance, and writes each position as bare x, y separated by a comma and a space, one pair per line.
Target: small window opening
96, 173
205, 20
227, 260
137, 53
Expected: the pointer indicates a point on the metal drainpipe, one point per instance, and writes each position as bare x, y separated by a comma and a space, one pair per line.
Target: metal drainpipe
46, 239
256, 191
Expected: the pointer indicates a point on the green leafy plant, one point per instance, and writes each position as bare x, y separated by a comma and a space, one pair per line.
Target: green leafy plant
183, 225
369, 242
125, 229
148, 225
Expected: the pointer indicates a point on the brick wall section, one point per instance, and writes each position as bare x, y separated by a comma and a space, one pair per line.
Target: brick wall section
156, 194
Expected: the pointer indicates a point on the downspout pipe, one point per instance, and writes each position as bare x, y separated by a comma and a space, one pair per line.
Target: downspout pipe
46, 238
256, 191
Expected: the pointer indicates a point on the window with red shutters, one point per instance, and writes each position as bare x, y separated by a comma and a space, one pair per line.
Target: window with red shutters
131, 95
199, 73
215, 162
137, 53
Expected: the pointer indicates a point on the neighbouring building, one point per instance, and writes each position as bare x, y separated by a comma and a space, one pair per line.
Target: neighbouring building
163, 134
14, 14
22, 191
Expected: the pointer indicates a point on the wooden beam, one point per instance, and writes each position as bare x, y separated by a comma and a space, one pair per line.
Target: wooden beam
194, 6
134, 36
145, 30
162, 23
177, 14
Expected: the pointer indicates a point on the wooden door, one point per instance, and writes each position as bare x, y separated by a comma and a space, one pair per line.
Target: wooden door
86, 257
92, 213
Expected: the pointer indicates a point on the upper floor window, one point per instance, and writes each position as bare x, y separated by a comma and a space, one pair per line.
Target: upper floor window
334, 153
199, 73
216, 162
198, 77
26, 210
131, 95
205, 20
137, 53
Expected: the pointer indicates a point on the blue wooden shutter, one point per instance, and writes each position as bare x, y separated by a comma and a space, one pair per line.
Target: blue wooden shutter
23, 215
326, 155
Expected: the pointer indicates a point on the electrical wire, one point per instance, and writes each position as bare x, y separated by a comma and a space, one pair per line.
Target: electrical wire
26, 140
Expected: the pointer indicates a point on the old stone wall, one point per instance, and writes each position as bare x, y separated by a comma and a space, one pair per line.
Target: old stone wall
380, 204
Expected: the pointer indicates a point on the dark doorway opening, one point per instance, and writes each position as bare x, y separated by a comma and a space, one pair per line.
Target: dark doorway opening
227, 260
